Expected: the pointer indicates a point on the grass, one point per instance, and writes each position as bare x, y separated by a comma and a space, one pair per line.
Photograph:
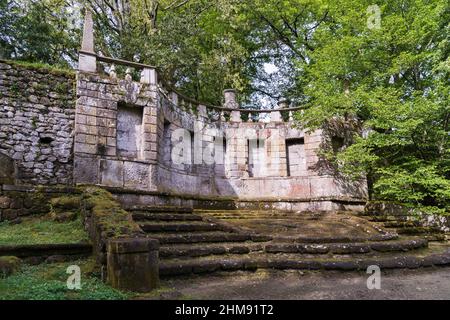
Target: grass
42, 230
43, 67
49, 282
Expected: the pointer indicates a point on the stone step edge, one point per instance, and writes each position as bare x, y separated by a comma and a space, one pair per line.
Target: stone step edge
293, 239
262, 237
204, 238
180, 227
198, 250
157, 209
209, 266
36, 250
166, 217
209, 249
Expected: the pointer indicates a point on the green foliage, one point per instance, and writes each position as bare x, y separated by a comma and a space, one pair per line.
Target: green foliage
42, 230
39, 31
395, 81
48, 282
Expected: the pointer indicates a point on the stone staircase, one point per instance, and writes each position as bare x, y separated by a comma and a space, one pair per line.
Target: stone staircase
404, 225
206, 241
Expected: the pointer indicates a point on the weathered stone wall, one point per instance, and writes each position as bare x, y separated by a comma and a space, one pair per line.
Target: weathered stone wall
37, 111
147, 119
19, 201
97, 156
121, 135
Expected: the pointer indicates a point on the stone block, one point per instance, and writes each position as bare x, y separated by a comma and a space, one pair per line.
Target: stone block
323, 187
111, 173
4, 202
136, 175
7, 169
85, 170
133, 264
85, 148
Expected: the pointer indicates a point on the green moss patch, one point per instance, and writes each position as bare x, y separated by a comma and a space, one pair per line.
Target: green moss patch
49, 282
42, 230
42, 67
108, 214
66, 203
9, 265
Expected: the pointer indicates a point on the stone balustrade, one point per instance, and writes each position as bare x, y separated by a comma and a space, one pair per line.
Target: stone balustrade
230, 110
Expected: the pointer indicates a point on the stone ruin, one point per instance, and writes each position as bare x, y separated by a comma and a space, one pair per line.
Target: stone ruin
126, 131
149, 145
112, 131
160, 153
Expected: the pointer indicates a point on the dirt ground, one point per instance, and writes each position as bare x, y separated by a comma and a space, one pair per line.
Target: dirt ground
432, 283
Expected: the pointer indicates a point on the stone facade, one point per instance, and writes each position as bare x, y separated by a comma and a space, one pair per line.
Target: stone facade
98, 159
37, 111
126, 134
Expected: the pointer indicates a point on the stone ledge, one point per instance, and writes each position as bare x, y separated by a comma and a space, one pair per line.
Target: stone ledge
44, 189
132, 245
115, 190
36, 250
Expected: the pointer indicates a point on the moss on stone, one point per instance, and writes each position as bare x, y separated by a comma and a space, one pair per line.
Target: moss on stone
42, 67
9, 265
42, 230
66, 202
108, 214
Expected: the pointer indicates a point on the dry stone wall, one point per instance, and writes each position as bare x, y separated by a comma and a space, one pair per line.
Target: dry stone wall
37, 112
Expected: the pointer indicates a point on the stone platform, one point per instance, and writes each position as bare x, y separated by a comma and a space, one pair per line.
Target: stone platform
200, 241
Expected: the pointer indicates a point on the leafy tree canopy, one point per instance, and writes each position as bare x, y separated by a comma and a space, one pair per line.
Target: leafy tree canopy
383, 64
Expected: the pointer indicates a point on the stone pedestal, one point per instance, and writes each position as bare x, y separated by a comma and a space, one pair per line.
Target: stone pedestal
235, 116
133, 264
87, 63
275, 116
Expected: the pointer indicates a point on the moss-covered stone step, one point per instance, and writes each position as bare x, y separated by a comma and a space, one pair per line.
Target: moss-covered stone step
179, 226
435, 237
166, 217
348, 248
335, 238
387, 218
159, 209
214, 236
35, 250
207, 249
402, 224
247, 215
251, 262
198, 250
419, 231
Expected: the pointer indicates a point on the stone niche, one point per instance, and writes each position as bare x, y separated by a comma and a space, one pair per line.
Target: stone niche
296, 157
129, 131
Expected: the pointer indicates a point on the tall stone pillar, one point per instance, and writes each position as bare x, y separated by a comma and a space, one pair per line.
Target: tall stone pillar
87, 61
230, 102
276, 115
